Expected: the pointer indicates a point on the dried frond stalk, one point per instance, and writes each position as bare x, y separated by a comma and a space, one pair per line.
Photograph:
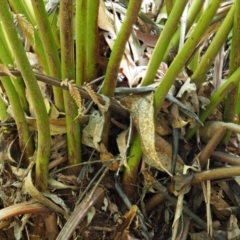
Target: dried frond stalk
92, 94
75, 94
25, 24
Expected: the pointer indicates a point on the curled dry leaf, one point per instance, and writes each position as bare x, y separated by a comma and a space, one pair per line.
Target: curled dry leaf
122, 230
93, 131
37, 196
141, 108
122, 146
105, 18
106, 155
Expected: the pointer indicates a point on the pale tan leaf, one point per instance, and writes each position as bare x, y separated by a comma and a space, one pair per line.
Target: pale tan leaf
37, 196
105, 18
122, 145
127, 65
141, 108
93, 131
54, 184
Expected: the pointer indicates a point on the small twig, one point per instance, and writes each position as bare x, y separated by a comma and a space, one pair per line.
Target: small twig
175, 149
114, 105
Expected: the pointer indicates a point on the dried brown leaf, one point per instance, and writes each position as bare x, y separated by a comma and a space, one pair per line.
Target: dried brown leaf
122, 230
141, 108
37, 196
105, 18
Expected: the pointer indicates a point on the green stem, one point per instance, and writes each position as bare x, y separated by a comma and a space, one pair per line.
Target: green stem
183, 56
33, 39
49, 48
192, 15
3, 111
22, 62
216, 98
25, 139
92, 38
163, 42
15, 90
199, 75
81, 41
20, 7
110, 80
130, 175
6, 57
169, 6
67, 61
230, 108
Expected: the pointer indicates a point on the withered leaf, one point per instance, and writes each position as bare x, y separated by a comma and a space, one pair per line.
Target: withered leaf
142, 112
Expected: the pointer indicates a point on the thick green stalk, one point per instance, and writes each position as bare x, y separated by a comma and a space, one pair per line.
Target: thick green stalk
199, 75
194, 61
27, 5
163, 42
217, 97
67, 63
53, 20
3, 111
192, 14
92, 38
43, 150
183, 56
6, 57
49, 48
130, 175
25, 139
5, 43
230, 108
81, 41
20, 7
110, 80
169, 6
